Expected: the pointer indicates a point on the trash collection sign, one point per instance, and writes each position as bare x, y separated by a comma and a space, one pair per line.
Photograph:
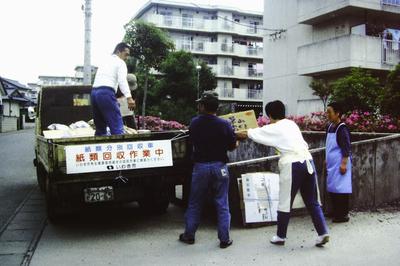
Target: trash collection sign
118, 156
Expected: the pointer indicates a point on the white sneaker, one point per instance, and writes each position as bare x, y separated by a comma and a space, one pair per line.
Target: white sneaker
276, 240
322, 240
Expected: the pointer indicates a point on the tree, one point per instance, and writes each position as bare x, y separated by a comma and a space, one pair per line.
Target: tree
150, 46
322, 89
207, 79
178, 87
390, 98
358, 91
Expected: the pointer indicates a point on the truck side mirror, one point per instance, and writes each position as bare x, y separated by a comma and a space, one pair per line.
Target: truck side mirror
31, 112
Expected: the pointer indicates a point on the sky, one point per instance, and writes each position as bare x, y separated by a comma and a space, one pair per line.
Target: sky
46, 37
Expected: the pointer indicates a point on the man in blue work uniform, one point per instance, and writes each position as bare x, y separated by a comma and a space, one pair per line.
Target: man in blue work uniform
111, 74
211, 137
338, 163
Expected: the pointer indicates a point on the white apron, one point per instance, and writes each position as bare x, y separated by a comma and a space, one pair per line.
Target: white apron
285, 176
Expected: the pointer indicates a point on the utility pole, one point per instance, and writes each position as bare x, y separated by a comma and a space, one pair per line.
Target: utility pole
87, 67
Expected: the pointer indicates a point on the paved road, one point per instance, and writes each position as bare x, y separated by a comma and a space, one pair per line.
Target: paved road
124, 236
17, 173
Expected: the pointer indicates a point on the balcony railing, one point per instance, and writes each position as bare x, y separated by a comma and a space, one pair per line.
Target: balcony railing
211, 25
236, 72
391, 2
226, 48
255, 51
390, 52
253, 72
227, 93
219, 48
240, 94
226, 71
254, 94
240, 72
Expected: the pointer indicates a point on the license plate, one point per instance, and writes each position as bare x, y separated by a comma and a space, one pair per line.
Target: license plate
98, 194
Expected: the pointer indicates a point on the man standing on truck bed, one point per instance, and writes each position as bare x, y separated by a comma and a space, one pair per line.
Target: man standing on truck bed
211, 137
111, 74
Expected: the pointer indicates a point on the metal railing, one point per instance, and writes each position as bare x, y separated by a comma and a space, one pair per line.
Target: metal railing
203, 24
390, 52
254, 94
254, 51
253, 72
226, 48
391, 2
218, 47
227, 93
226, 70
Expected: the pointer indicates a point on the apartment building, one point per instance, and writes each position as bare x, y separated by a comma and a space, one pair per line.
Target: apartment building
325, 39
228, 39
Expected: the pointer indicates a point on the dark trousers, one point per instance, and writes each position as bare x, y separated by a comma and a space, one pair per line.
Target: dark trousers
307, 184
106, 111
212, 175
129, 121
340, 205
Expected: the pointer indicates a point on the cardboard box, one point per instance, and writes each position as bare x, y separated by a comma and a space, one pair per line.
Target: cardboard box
242, 121
260, 197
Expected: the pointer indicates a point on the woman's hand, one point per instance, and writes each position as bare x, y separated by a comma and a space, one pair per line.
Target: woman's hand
343, 166
241, 135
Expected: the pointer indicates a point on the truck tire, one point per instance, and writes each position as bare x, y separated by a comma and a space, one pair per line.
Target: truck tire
41, 177
156, 201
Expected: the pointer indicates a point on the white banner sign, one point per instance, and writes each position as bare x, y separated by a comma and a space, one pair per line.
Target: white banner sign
118, 156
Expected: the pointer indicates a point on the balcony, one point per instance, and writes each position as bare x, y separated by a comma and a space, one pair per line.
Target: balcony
316, 11
227, 93
394, 3
234, 94
216, 48
239, 73
205, 25
254, 94
236, 72
390, 52
342, 53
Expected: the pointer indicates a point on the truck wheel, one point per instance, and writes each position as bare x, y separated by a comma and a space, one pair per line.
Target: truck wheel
51, 204
156, 202
154, 206
41, 177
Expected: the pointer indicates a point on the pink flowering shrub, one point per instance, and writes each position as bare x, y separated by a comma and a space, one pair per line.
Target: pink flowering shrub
262, 121
369, 122
356, 121
154, 123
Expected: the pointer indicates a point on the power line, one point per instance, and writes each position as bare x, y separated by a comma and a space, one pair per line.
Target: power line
241, 24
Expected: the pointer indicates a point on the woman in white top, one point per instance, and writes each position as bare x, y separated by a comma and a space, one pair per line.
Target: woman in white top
297, 170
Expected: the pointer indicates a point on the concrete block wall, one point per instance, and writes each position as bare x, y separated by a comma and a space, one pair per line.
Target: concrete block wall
376, 169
